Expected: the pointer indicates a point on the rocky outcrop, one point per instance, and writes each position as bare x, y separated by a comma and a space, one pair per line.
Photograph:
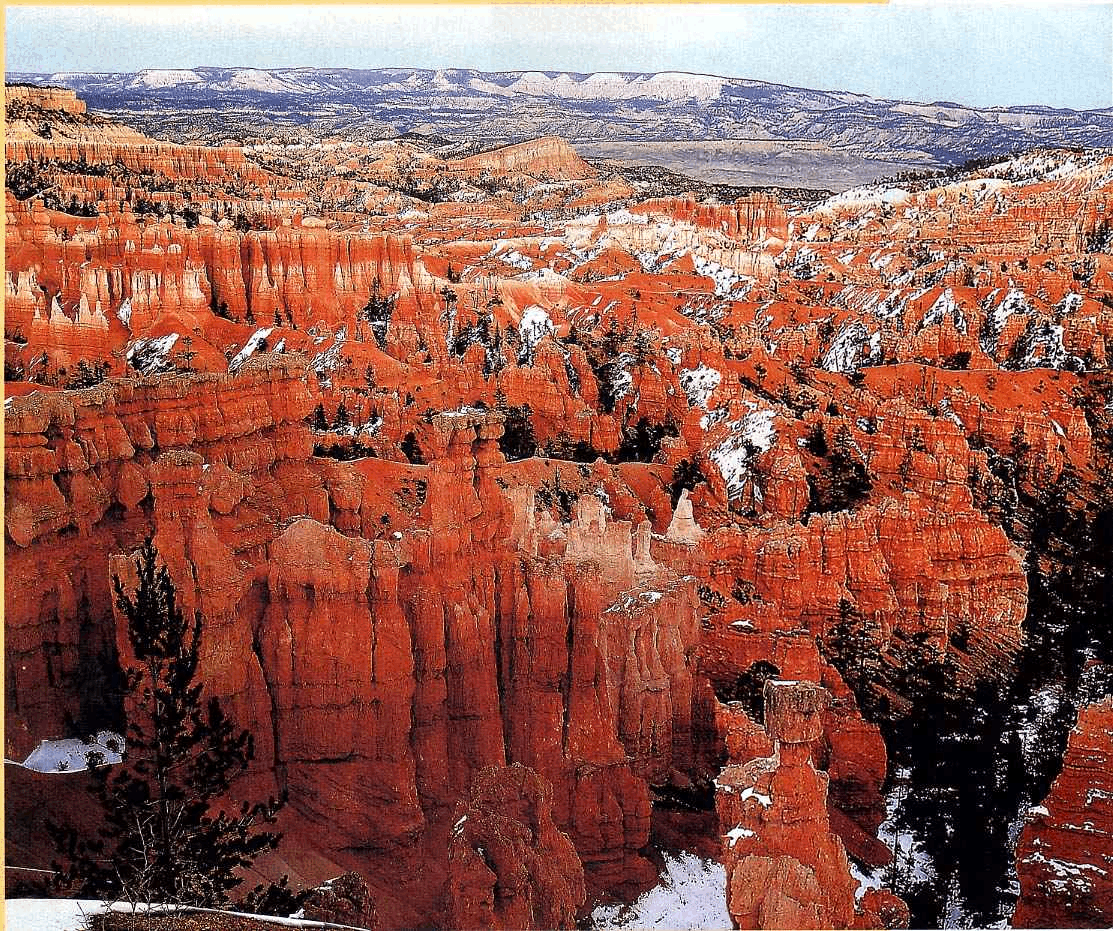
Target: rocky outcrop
1064, 859
548, 157
378, 676
749, 219
785, 868
509, 866
46, 98
344, 900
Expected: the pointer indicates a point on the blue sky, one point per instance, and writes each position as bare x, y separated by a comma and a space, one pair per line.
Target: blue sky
1059, 54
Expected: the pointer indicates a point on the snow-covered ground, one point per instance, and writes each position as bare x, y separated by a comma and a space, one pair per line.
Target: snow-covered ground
945, 308
327, 362
853, 347
753, 434
151, 356
71, 754
690, 894
699, 383
534, 326
49, 914
71, 914
258, 338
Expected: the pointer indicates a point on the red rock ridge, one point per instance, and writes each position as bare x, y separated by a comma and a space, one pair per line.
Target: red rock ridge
1064, 858
546, 157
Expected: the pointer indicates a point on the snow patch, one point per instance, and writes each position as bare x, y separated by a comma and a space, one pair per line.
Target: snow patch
945, 308
724, 278
691, 894
327, 362
765, 801
737, 834
734, 456
535, 325
853, 347
699, 383
152, 356
1014, 302
257, 339
71, 754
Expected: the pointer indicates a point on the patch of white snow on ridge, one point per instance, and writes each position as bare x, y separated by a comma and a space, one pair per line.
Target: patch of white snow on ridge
1014, 302
327, 362
152, 356
690, 895
258, 338
751, 435
253, 79
870, 195
853, 347
665, 85
1068, 305
534, 326
1041, 346
699, 384
764, 801
865, 880
708, 420
736, 834
165, 77
619, 380
515, 259
724, 278
943, 308
625, 217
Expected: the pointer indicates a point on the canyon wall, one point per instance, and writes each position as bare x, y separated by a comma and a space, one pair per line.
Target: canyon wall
1064, 858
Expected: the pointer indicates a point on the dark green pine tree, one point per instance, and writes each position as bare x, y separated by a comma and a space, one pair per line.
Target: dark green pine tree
852, 645
166, 835
320, 421
342, 420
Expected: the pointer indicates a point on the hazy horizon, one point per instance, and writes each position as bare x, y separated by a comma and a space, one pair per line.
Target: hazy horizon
980, 55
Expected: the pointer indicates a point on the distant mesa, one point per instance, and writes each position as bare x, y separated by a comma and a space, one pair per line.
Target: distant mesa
742, 129
549, 156
46, 98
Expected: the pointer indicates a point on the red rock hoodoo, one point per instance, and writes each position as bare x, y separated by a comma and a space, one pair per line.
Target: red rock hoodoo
785, 867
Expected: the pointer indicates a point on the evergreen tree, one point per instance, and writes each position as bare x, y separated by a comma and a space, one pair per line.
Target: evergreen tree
411, 450
342, 420
852, 646
187, 355
377, 312
165, 836
686, 475
320, 421
845, 482
518, 440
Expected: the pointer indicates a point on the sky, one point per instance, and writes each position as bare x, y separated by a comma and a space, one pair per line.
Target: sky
983, 54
